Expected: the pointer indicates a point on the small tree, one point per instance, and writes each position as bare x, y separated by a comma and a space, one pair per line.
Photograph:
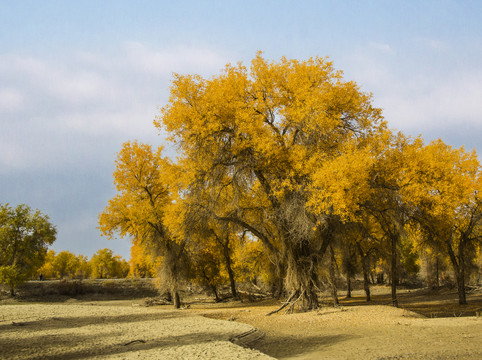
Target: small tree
47, 270
66, 264
103, 264
142, 207
84, 270
24, 237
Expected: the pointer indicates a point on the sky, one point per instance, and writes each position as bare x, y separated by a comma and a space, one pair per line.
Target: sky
80, 78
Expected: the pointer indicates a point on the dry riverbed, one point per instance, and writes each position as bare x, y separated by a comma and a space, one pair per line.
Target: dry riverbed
126, 329
116, 330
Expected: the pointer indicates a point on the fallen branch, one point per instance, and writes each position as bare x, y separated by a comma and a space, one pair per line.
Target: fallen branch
18, 324
247, 339
135, 341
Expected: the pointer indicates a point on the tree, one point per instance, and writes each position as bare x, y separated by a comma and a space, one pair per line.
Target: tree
24, 238
106, 265
102, 264
65, 264
143, 207
142, 263
47, 270
448, 204
84, 269
210, 237
262, 133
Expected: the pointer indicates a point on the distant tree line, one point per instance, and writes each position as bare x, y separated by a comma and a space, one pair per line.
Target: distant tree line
66, 265
25, 236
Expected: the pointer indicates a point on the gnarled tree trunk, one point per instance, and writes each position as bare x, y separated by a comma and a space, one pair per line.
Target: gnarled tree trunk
458, 264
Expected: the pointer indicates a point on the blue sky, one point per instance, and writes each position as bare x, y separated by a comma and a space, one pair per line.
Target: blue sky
79, 78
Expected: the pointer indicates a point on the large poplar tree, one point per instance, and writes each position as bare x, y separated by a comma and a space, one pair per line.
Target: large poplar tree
265, 130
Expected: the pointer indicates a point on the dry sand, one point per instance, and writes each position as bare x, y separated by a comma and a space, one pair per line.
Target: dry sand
126, 330
361, 332
119, 330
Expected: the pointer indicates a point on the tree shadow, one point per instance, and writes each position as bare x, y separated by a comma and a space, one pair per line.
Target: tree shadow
66, 322
64, 347
288, 346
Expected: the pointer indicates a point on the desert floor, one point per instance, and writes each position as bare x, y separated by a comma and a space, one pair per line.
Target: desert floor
126, 329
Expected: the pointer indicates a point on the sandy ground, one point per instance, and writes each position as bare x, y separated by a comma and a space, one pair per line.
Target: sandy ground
127, 330
362, 332
115, 330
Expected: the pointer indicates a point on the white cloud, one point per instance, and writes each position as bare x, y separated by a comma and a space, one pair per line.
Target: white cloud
420, 91
52, 103
181, 59
379, 47
426, 103
11, 100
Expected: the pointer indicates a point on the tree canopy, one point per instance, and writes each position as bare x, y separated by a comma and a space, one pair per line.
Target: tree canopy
24, 237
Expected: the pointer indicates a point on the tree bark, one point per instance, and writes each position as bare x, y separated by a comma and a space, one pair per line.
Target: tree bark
394, 274
215, 292
348, 285
334, 291
177, 300
366, 285
461, 288
459, 269
366, 280
277, 288
437, 276
229, 268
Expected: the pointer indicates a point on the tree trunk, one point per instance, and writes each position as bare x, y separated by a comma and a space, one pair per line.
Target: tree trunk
437, 277
461, 287
334, 291
348, 286
215, 292
459, 269
229, 268
301, 278
177, 300
461, 274
366, 280
394, 275
277, 288
380, 278
366, 286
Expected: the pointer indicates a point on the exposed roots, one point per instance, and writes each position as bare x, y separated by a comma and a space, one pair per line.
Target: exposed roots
294, 298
